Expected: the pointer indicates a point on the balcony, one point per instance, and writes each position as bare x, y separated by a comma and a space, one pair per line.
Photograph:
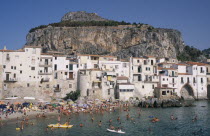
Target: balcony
45, 73
57, 90
207, 73
45, 79
69, 78
43, 64
8, 58
11, 80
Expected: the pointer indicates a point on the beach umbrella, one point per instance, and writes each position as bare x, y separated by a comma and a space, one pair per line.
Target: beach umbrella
47, 103
80, 105
17, 103
1, 102
54, 105
68, 100
71, 102
61, 103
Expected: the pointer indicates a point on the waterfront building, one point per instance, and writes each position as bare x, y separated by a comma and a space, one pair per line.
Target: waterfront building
29, 72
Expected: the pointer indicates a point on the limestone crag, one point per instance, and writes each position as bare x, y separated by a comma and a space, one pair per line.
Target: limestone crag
82, 16
121, 40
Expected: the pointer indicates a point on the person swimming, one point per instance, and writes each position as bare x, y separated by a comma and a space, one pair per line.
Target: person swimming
100, 123
81, 125
118, 119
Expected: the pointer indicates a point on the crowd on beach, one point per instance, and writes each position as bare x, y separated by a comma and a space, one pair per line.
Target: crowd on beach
41, 110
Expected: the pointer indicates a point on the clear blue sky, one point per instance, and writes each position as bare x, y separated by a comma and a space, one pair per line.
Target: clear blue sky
191, 17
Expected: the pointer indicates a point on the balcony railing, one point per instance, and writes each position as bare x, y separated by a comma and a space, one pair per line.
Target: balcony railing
45, 80
12, 80
57, 90
45, 73
45, 64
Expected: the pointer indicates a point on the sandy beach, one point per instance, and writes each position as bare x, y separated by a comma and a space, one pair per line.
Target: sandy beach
31, 115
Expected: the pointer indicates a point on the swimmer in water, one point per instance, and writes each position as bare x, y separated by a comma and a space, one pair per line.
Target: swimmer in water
100, 123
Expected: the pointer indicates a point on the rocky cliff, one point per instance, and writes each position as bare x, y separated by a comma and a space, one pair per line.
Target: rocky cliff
120, 40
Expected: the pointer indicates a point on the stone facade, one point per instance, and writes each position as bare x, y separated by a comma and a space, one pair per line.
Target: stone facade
28, 72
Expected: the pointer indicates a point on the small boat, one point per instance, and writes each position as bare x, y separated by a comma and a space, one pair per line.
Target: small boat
115, 131
17, 129
58, 125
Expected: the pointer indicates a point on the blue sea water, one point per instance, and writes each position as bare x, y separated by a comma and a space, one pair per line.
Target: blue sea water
183, 126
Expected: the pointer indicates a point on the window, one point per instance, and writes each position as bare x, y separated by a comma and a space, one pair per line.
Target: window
47, 86
153, 86
20, 71
139, 69
139, 77
20, 64
32, 68
11, 67
188, 80
201, 80
66, 73
194, 80
163, 79
142, 86
66, 66
124, 65
56, 76
182, 80
163, 92
28, 85
145, 62
55, 67
4, 66
93, 91
168, 91
14, 75
55, 58
202, 70
137, 61
151, 62
70, 66
108, 92
14, 67
70, 85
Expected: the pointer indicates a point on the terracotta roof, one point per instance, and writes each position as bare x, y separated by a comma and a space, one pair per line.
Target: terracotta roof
88, 55
165, 63
122, 78
182, 64
160, 68
150, 56
46, 54
11, 51
28, 46
196, 63
138, 58
184, 74
124, 60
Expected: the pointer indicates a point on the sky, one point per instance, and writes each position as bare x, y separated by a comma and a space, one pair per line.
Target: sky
190, 17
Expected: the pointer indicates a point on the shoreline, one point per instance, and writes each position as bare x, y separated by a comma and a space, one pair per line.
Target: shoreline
32, 115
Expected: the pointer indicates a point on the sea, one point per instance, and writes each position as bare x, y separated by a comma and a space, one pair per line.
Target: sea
137, 126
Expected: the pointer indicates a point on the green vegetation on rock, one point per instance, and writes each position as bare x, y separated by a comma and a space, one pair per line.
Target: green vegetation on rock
74, 95
81, 24
190, 54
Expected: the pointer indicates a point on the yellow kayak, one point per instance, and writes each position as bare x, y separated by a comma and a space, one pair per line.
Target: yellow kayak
58, 125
